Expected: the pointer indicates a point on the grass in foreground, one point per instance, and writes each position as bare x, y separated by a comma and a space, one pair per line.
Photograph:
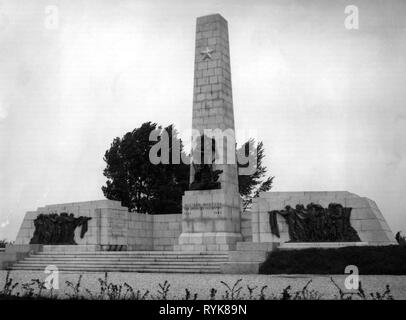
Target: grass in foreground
36, 290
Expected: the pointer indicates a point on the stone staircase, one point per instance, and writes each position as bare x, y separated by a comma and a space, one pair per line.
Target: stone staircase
126, 261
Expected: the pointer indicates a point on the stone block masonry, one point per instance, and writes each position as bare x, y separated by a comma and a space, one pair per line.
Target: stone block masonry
211, 221
112, 227
212, 218
212, 93
153, 232
107, 228
366, 218
166, 229
212, 84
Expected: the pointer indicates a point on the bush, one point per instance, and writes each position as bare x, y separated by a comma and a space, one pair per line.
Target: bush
3, 243
388, 260
400, 239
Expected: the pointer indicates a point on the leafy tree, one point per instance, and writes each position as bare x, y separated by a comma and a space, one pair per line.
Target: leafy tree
251, 185
136, 182
158, 188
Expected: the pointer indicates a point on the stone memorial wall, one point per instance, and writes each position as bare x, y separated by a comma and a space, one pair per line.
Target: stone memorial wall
366, 217
112, 227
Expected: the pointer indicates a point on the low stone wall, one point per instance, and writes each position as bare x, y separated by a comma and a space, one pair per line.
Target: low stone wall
319, 245
139, 234
247, 257
246, 228
15, 252
153, 232
112, 227
166, 231
107, 226
366, 218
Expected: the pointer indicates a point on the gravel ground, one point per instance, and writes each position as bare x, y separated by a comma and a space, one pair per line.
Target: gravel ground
202, 283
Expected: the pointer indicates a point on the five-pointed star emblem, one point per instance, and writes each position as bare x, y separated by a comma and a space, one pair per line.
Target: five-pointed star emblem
207, 53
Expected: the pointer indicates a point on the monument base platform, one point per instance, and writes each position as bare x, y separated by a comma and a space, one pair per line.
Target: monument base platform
319, 245
211, 221
70, 248
247, 257
83, 248
208, 241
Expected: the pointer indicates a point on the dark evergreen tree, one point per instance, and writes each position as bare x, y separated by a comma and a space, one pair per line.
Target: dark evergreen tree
251, 185
136, 182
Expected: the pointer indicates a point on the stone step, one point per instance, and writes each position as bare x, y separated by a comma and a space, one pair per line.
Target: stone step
128, 258
134, 256
143, 253
60, 262
80, 269
131, 261
114, 265
141, 263
319, 245
257, 246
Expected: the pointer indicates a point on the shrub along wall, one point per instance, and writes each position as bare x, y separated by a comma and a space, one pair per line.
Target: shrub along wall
375, 260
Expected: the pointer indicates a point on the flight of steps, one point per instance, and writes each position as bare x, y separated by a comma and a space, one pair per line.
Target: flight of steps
126, 261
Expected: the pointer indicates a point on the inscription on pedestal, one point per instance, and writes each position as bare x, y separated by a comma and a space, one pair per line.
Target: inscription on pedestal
215, 207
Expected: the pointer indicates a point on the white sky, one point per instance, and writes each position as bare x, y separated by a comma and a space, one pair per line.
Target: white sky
329, 103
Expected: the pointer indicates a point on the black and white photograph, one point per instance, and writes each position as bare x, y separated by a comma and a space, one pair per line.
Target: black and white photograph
220, 152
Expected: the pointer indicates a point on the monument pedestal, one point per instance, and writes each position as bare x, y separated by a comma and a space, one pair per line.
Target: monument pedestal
210, 221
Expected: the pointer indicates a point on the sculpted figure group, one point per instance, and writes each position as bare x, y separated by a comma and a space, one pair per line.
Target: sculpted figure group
314, 223
205, 177
58, 229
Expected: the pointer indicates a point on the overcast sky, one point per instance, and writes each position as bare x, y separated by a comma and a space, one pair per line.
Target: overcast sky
329, 103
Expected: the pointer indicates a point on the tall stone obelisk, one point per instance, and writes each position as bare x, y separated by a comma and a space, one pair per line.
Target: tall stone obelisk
212, 218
